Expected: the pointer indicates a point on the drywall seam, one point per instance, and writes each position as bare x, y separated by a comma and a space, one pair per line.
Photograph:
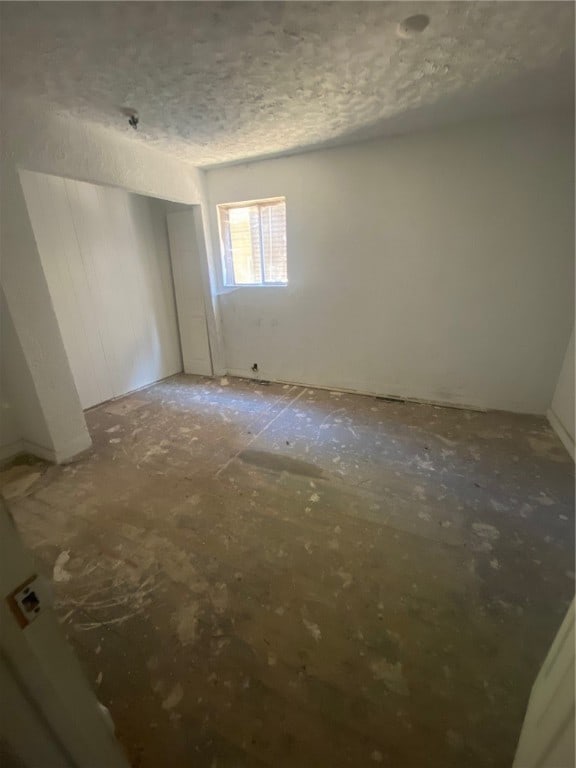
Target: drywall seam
558, 427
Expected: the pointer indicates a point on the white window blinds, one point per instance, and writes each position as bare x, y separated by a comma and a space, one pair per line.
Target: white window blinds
253, 242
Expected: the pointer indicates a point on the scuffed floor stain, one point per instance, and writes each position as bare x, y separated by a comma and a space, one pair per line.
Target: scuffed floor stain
485, 531
174, 697
313, 628
280, 576
20, 486
391, 675
20, 477
59, 572
280, 463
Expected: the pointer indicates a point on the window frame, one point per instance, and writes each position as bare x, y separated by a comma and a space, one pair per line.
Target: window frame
226, 254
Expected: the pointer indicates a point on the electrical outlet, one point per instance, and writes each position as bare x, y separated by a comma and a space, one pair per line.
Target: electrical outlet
27, 602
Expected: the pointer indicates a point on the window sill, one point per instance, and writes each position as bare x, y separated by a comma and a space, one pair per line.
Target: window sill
254, 285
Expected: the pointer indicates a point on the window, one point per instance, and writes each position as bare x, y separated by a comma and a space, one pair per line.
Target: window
253, 242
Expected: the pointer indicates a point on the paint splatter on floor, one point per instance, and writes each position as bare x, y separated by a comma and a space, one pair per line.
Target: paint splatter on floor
281, 576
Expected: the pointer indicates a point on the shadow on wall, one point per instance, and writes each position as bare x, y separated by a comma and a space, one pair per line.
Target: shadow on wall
21, 414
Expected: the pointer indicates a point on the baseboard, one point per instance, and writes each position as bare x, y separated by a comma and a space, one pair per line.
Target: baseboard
19, 447
40, 451
11, 450
207, 372
243, 374
560, 430
133, 391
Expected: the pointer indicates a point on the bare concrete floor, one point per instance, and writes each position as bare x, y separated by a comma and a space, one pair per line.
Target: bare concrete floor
280, 576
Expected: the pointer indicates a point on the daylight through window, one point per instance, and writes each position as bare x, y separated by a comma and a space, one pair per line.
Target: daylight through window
253, 242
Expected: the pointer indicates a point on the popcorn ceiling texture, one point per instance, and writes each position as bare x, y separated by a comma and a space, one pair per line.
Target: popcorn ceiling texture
223, 82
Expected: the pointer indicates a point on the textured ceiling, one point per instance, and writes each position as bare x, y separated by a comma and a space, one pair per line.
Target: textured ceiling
222, 82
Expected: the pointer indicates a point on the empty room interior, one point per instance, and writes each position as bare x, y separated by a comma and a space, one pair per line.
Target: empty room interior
287, 384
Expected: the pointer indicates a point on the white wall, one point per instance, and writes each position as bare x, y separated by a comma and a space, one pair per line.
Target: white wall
547, 737
190, 289
107, 263
10, 430
42, 141
22, 423
207, 260
561, 413
436, 266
